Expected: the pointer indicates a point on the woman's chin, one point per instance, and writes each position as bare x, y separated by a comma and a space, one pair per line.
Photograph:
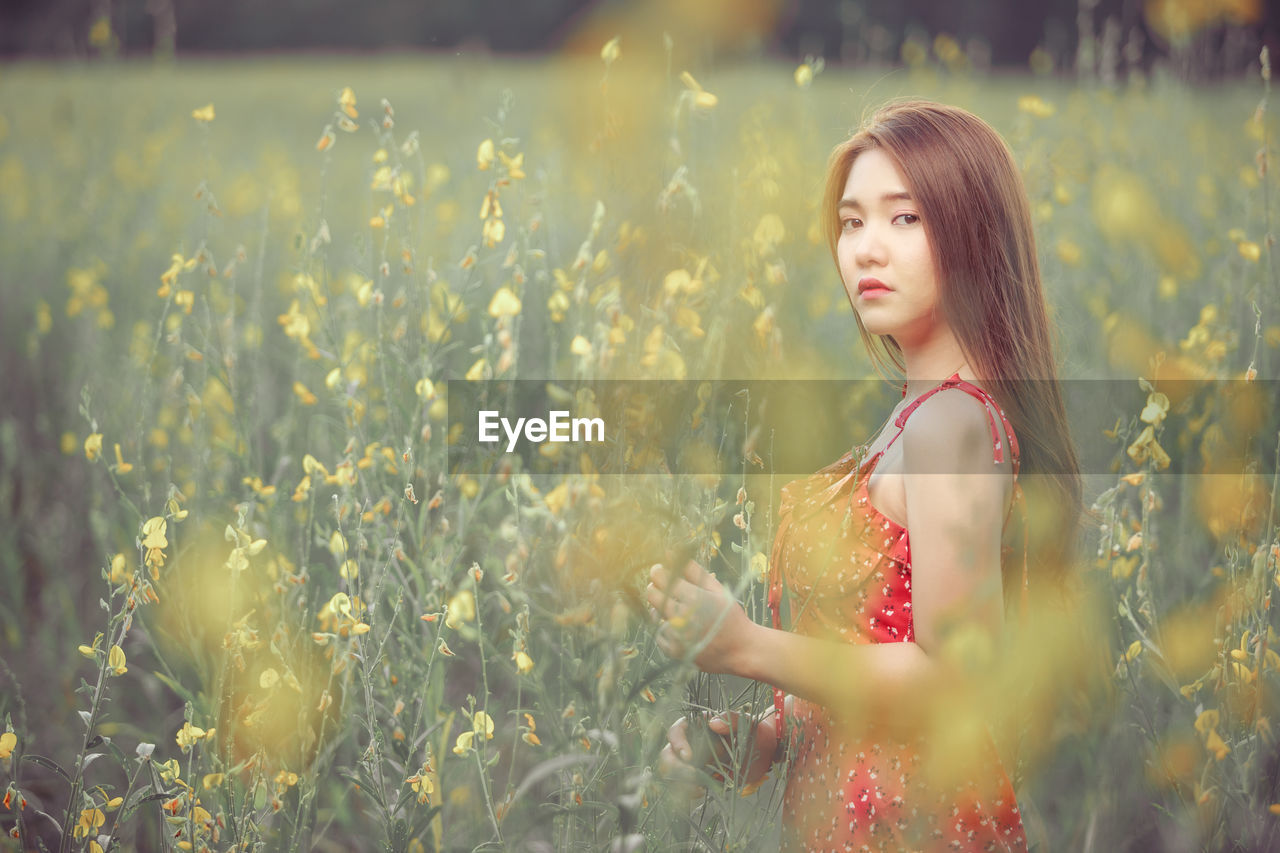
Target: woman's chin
875, 325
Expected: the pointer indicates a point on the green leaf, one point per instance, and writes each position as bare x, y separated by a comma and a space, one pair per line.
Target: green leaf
48, 764
141, 798
175, 687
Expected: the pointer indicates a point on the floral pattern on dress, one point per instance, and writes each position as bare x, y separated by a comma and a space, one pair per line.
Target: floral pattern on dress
847, 571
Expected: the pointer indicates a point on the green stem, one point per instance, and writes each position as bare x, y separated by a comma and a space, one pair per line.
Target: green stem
95, 706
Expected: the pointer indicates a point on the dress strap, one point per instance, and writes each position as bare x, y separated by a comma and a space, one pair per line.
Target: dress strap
988, 402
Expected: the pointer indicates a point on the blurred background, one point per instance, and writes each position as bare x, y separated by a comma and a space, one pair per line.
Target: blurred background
1204, 38
245, 246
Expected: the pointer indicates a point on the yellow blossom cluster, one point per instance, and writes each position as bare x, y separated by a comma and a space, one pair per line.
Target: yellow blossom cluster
189, 735
1207, 725
154, 541
297, 325
245, 547
421, 782
88, 294
340, 616
1145, 446
1207, 339
481, 724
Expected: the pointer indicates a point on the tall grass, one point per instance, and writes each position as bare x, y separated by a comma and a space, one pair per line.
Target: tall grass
229, 335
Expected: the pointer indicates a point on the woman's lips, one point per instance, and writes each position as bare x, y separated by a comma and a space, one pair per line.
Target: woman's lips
870, 288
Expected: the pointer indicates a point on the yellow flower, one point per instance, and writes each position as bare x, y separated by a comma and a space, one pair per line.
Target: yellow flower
1146, 446
211, 781
347, 100
326, 138
188, 735
493, 232
702, 99
1215, 744
339, 605
580, 346
153, 533
122, 467
558, 304
116, 661
1157, 407
611, 51
338, 544
93, 446
482, 723
484, 155
119, 570
100, 32
462, 608
463, 745
748, 790
8, 743
1249, 250
304, 394
91, 820
205, 113
514, 165
168, 770
1034, 105
804, 75
524, 663
770, 231
1068, 252
504, 303
421, 784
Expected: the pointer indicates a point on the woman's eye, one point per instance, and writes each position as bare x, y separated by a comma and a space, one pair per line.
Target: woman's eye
911, 216
848, 223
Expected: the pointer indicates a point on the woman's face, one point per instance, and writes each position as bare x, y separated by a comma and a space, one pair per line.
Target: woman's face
885, 258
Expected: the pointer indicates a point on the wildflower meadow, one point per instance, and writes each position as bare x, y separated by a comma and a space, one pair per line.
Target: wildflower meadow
253, 596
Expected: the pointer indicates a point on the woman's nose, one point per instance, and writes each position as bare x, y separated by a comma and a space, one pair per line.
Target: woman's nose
868, 245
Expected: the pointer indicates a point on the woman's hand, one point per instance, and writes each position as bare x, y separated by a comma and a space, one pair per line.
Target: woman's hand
679, 760
696, 612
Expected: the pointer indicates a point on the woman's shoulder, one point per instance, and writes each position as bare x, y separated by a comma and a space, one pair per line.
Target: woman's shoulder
953, 431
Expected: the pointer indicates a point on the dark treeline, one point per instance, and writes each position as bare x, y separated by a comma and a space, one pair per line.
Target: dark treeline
1095, 35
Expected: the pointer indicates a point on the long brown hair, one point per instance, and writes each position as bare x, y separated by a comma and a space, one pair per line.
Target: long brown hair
978, 221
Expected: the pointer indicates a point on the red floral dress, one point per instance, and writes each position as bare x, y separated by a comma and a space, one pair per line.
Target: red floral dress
847, 570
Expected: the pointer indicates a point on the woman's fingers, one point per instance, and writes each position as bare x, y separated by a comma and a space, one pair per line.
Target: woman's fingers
662, 601
678, 739
698, 576
683, 587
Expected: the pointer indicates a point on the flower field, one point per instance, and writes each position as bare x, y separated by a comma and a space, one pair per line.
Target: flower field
250, 603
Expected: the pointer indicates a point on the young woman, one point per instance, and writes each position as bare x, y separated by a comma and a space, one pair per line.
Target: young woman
928, 222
